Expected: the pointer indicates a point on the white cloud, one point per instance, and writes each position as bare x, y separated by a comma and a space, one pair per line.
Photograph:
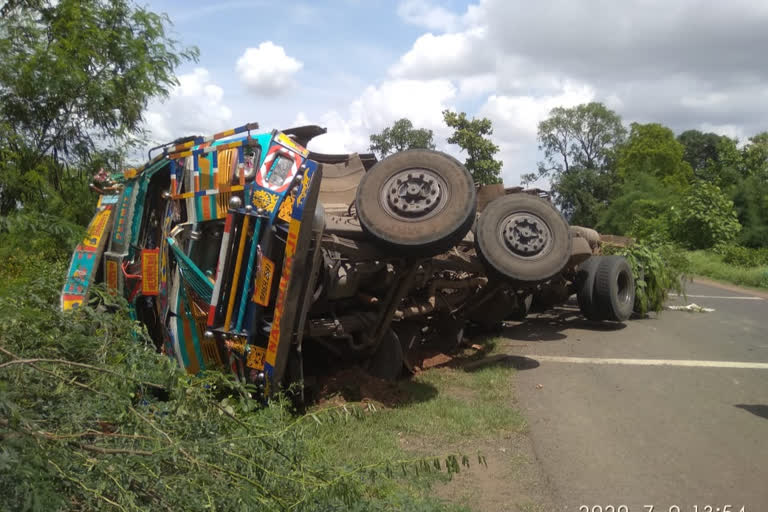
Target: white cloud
194, 107
427, 14
459, 54
519, 116
478, 85
516, 119
421, 101
267, 70
634, 38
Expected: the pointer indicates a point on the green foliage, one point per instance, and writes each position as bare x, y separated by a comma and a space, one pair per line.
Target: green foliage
47, 236
70, 70
742, 256
652, 149
399, 137
729, 166
699, 149
705, 217
711, 264
74, 75
756, 156
471, 136
750, 199
641, 209
658, 270
582, 194
713, 158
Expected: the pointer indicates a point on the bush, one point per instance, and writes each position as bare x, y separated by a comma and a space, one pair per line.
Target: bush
641, 209
705, 217
743, 256
658, 269
750, 197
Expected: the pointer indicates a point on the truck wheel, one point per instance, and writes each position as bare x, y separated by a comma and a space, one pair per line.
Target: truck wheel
418, 202
523, 238
585, 287
614, 288
387, 361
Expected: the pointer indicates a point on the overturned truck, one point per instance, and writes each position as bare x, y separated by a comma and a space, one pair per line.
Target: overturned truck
246, 251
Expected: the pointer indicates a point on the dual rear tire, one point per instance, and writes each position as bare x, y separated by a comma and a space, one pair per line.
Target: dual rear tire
605, 288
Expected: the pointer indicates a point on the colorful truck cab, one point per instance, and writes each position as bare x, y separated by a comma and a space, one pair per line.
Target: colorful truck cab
207, 242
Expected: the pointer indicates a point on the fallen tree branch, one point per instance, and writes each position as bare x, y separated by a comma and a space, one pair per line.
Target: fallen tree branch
90, 447
114, 451
16, 360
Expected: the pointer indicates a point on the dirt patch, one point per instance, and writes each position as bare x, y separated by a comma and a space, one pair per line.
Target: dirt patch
354, 385
435, 360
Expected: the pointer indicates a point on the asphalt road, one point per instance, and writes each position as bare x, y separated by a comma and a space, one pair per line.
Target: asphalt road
616, 420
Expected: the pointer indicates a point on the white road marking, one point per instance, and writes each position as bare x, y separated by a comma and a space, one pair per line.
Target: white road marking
717, 297
651, 362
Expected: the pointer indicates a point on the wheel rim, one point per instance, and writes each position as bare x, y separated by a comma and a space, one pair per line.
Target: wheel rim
414, 194
526, 235
622, 281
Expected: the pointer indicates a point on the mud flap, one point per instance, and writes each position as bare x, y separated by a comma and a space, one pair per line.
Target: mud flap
294, 274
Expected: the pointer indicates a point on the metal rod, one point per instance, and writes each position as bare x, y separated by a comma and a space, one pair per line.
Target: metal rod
236, 275
248, 274
220, 268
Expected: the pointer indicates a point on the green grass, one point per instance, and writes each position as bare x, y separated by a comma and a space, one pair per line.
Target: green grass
709, 264
446, 407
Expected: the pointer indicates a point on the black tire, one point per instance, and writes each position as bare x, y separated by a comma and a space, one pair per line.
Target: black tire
410, 337
416, 202
523, 238
585, 288
387, 360
614, 288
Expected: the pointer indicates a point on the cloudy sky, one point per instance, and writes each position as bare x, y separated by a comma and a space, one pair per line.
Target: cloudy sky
355, 66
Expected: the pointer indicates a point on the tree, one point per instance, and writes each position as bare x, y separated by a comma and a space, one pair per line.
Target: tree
579, 146
653, 150
582, 136
582, 194
699, 148
472, 137
705, 217
750, 193
75, 74
399, 137
641, 209
750, 198
714, 158
756, 156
